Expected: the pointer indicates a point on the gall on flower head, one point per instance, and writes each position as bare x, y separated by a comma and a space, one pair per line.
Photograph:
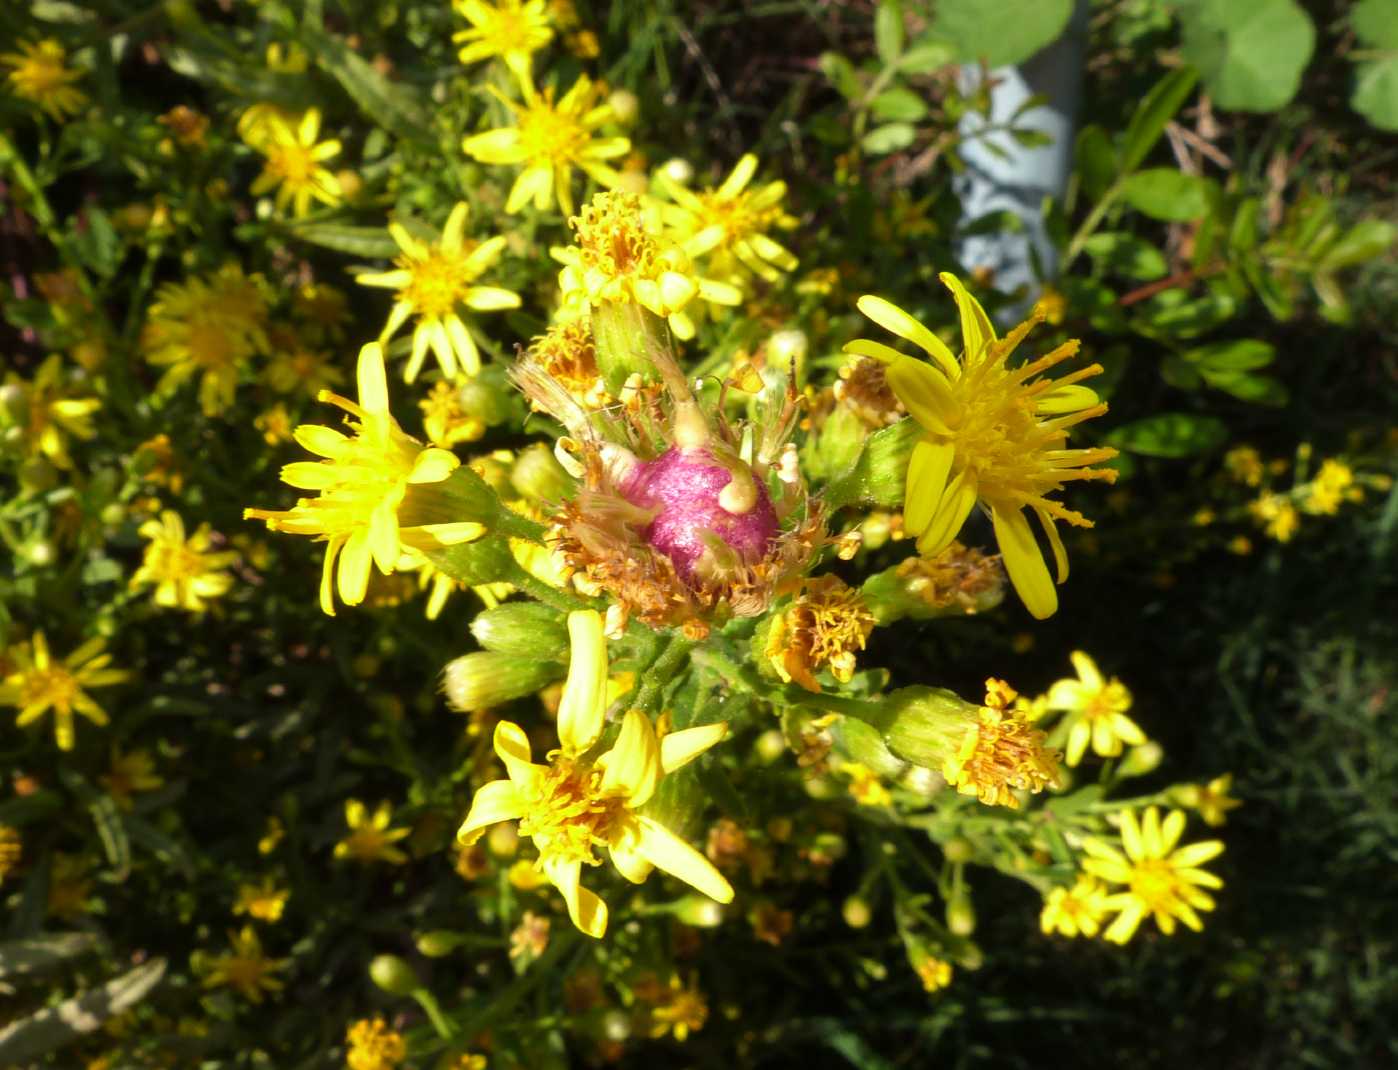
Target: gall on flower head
681, 516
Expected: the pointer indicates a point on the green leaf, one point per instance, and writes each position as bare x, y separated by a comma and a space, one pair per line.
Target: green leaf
889, 138
1250, 54
926, 55
1000, 32
1240, 355
1376, 92
52, 1028
1366, 240
888, 31
96, 242
1180, 374
1173, 315
1258, 389
388, 105
486, 560
1096, 162
1170, 434
43, 954
1126, 254
898, 105
1375, 23
1148, 121
1163, 193
841, 74
371, 243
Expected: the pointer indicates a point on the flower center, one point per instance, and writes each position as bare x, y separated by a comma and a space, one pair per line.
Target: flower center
612, 238
293, 164
1154, 883
54, 686
551, 136
211, 346
439, 282
569, 814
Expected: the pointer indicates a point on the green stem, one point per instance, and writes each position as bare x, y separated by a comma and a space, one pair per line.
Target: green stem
539, 590
674, 656
1093, 220
428, 1002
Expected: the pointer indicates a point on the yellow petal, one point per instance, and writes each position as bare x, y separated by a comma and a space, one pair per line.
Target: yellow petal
667, 852
976, 329
512, 748
892, 318
373, 384
352, 579
740, 176
497, 801
1024, 562
957, 502
583, 707
627, 857
925, 392
633, 763
678, 749
928, 468
433, 465
864, 347
1060, 555
587, 911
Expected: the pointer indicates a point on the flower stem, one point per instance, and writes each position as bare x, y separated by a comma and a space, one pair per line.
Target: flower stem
674, 656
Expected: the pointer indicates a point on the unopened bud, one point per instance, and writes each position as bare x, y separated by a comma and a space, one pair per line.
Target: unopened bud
678, 170
438, 943
393, 975
924, 725
616, 1026
1142, 759
488, 396
857, 912
522, 629
484, 679
958, 850
539, 477
41, 553
961, 916
625, 106
486, 560
624, 336
863, 743
770, 746
699, 911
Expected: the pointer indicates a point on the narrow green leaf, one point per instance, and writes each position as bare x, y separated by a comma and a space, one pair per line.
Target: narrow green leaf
888, 31
1238, 355
1148, 121
110, 830
1366, 240
43, 954
371, 243
55, 1027
388, 105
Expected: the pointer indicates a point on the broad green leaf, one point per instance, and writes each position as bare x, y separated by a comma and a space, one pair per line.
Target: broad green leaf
1364, 241
1170, 434
1000, 32
96, 241
1180, 374
1250, 54
889, 138
898, 105
925, 56
1245, 386
1163, 193
1096, 162
41, 954
1375, 23
888, 31
52, 1028
1175, 315
371, 243
1148, 121
1376, 92
841, 74
1126, 254
1240, 355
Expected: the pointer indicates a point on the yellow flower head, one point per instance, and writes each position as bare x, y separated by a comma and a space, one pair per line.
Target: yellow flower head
128, 774
297, 369
372, 1045
567, 352
1075, 911
1333, 485
293, 166
1161, 879
550, 139
730, 224
826, 625
245, 968
679, 1011
208, 326
39, 74
264, 901
51, 415
1211, 800
991, 433
445, 419
580, 801
434, 282
363, 480
622, 255
865, 787
38, 683
185, 572
1001, 751
11, 848
1244, 464
511, 29
370, 838
1096, 712
1279, 518
934, 973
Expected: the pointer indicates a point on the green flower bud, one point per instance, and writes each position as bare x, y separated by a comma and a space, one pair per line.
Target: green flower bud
924, 725
678, 170
489, 397
625, 106
41, 553
881, 471
961, 916
523, 629
840, 442
788, 348
393, 975
486, 560
699, 911
624, 336
539, 477
1141, 760
857, 912
863, 743
485, 679
958, 849
462, 497
438, 943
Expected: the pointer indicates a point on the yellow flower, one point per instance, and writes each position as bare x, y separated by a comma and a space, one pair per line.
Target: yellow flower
1001, 751
730, 224
293, 164
1161, 879
1278, 517
38, 684
11, 849
1075, 911
128, 774
825, 625
445, 418
184, 571
370, 838
567, 352
1333, 484
934, 973
363, 481
51, 415
621, 256
992, 433
1096, 711
680, 1011
298, 370
433, 282
1211, 800
865, 786
578, 802
245, 968
470, 1061
550, 140
264, 901
40, 75
511, 29
273, 836
208, 326
1244, 464
372, 1045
